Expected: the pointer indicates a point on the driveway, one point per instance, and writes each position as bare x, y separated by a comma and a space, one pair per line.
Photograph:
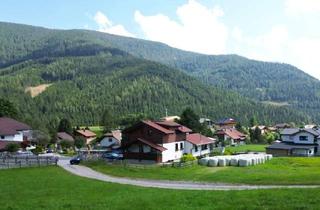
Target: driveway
181, 185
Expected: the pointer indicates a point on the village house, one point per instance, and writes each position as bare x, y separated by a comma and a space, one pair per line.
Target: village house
296, 142
231, 134
12, 131
87, 134
162, 141
63, 136
111, 140
226, 123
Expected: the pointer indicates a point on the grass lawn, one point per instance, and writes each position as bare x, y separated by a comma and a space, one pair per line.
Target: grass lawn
289, 170
248, 148
54, 188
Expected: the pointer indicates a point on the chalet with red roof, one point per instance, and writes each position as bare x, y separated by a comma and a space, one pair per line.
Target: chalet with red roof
162, 141
226, 123
232, 134
87, 134
12, 131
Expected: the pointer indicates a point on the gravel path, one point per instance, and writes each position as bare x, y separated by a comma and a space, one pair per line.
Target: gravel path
182, 185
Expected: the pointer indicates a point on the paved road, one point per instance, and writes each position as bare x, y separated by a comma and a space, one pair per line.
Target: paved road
184, 185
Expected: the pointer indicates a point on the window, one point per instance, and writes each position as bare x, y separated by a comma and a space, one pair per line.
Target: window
110, 139
149, 132
195, 148
177, 147
303, 138
204, 147
2, 137
181, 145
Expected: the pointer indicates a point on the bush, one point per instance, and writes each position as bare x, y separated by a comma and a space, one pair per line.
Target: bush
12, 147
227, 152
39, 149
187, 157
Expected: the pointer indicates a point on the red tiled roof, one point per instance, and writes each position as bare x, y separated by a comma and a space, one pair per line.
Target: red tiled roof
158, 127
86, 133
198, 139
10, 126
64, 136
232, 133
179, 127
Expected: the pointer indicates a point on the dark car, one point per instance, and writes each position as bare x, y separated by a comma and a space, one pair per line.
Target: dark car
112, 156
75, 160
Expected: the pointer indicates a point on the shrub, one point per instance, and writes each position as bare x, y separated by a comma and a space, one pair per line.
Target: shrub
39, 149
12, 147
227, 152
187, 157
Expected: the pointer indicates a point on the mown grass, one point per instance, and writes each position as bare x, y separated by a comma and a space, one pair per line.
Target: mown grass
289, 170
54, 188
248, 148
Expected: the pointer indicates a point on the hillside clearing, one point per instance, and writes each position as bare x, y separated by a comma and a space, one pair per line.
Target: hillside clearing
36, 90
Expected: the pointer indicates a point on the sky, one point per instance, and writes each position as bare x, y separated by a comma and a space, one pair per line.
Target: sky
285, 31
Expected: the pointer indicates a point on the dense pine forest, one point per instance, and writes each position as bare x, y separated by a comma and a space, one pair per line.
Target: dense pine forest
87, 72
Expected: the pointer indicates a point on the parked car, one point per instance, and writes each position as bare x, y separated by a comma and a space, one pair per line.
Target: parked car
49, 150
75, 160
113, 156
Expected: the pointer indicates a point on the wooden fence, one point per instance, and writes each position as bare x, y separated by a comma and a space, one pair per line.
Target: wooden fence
26, 161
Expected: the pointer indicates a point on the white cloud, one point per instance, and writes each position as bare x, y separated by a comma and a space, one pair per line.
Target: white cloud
277, 45
105, 25
300, 7
199, 28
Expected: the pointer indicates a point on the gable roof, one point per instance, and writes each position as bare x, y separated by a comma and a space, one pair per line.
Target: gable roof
158, 127
174, 125
65, 136
86, 133
10, 126
288, 146
115, 134
292, 131
149, 143
232, 133
198, 139
226, 121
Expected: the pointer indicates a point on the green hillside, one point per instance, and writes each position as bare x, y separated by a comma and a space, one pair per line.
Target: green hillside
87, 72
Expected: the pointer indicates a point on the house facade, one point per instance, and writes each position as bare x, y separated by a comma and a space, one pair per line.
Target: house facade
12, 131
158, 141
231, 134
87, 134
111, 140
296, 142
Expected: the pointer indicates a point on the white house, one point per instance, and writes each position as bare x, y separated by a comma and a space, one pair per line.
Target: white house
296, 142
198, 145
12, 131
111, 140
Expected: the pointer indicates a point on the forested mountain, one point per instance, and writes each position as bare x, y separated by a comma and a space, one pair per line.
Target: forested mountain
87, 72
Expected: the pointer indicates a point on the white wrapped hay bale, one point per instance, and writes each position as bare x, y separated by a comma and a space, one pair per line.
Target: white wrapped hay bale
234, 162
213, 162
253, 161
243, 162
203, 161
269, 156
228, 159
222, 162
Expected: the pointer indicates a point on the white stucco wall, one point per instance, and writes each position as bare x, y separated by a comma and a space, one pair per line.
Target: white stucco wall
296, 138
18, 137
171, 153
106, 143
190, 149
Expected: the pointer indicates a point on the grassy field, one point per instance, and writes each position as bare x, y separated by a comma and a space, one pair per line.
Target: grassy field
248, 148
289, 170
53, 188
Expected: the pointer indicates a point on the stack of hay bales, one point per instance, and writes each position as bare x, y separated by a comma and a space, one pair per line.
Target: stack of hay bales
242, 160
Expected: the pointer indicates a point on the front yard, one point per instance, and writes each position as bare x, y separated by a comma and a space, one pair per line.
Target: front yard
54, 188
286, 170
